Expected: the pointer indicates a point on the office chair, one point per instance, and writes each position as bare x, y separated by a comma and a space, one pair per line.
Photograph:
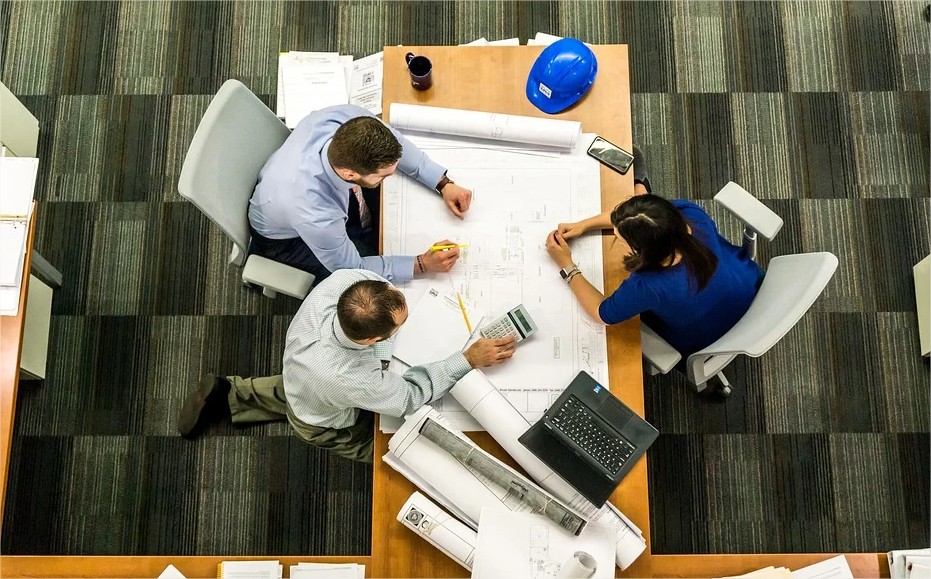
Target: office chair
234, 139
790, 286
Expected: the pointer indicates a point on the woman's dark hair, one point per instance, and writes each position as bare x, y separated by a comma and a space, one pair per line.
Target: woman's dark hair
366, 309
656, 230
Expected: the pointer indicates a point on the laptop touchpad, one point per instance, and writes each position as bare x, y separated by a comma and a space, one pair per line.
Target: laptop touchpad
615, 413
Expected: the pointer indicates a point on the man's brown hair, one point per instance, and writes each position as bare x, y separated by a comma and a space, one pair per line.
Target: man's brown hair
366, 309
363, 145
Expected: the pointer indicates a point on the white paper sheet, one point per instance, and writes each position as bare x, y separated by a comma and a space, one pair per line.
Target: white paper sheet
302, 57
17, 185
171, 572
365, 82
327, 571
435, 328
833, 568
532, 546
12, 251
444, 532
517, 200
505, 424
483, 125
310, 86
249, 570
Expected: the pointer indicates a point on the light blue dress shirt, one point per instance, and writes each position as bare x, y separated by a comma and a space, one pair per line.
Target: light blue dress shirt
328, 377
300, 195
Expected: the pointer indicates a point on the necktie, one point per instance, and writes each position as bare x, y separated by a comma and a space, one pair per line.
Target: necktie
365, 218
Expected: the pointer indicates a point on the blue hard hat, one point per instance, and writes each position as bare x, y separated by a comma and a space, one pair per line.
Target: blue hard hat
563, 72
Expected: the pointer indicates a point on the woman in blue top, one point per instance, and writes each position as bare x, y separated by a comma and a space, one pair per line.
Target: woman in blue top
689, 284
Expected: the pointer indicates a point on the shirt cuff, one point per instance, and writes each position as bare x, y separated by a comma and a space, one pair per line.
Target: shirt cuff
402, 268
458, 366
431, 174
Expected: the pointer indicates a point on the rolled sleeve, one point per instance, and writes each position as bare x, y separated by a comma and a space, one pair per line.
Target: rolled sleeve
334, 249
417, 165
401, 395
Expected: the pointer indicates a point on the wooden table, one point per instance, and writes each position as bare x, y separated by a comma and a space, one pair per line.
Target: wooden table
11, 349
493, 79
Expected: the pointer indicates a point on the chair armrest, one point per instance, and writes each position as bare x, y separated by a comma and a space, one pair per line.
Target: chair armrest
747, 208
277, 277
657, 351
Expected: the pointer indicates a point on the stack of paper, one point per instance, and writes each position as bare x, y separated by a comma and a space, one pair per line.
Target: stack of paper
17, 189
308, 81
249, 570
327, 571
544, 39
833, 568
910, 564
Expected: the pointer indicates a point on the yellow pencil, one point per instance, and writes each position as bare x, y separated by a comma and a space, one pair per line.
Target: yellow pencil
448, 246
465, 316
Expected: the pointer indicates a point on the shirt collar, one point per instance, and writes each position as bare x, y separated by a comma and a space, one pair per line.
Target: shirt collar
343, 339
335, 179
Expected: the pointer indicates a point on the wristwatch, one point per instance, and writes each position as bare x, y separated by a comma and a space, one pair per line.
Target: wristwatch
444, 181
567, 271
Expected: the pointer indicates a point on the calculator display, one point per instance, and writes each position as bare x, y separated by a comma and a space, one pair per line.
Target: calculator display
523, 321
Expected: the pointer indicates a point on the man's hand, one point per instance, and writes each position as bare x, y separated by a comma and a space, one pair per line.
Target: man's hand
457, 198
487, 352
439, 261
558, 249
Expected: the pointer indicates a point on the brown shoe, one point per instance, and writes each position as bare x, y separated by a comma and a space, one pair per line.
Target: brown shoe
206, 404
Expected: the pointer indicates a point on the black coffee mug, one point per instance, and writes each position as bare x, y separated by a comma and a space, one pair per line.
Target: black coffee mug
421, 71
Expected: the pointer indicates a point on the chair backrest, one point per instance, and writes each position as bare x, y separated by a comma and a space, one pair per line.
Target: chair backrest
791, 285
233, 141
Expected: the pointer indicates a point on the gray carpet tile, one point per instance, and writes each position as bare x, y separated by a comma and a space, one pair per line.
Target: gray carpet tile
819, 108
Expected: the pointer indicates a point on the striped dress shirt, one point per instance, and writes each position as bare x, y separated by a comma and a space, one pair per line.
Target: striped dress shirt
328, 377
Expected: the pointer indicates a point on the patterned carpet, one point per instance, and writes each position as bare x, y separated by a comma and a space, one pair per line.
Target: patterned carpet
818, 108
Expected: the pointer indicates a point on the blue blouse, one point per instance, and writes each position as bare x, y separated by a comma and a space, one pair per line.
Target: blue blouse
668, 302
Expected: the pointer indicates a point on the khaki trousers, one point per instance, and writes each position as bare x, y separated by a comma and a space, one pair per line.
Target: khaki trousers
263, 400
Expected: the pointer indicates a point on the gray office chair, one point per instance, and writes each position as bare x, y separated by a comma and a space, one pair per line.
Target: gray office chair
791, 285
234, 139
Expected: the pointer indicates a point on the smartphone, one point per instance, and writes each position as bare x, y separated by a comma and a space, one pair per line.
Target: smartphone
611, 155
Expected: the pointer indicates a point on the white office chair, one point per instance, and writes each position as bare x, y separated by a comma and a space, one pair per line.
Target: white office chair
791, 285
234, 139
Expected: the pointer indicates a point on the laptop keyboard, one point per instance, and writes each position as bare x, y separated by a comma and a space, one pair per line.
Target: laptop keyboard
576, 421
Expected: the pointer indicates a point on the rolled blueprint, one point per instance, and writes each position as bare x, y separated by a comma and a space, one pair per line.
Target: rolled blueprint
445, 479
481, 125
454, 539
485, 465
505, 424
580, 566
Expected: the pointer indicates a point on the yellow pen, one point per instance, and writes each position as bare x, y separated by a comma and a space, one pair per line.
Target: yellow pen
447, 246
465, 316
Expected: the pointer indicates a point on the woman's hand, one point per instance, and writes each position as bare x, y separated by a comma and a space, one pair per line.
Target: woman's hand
558, 249
571, 230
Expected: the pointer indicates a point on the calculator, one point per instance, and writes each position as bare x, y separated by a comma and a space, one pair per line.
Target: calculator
516, 322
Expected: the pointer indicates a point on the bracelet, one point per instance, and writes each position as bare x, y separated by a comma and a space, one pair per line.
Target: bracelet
420, 264
572, 275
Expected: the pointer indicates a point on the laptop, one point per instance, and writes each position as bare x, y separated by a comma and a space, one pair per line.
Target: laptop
590, 438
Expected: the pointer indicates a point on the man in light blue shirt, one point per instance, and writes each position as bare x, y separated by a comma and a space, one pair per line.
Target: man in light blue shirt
315, 206
334, 374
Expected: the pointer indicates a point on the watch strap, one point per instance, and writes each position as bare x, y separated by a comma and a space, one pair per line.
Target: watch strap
444, 181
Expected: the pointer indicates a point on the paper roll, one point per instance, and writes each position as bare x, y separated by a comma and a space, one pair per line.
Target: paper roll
580, 566
505, 424
454, 539
555, 133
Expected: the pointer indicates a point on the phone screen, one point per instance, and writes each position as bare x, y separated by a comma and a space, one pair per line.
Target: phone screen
611, 155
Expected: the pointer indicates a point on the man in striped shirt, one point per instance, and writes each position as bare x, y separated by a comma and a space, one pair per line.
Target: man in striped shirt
335, 370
